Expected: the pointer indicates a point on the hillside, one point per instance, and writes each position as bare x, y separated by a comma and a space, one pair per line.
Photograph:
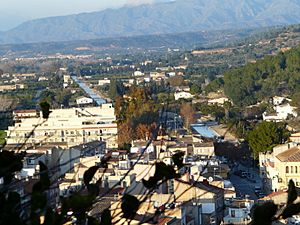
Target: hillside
157, 18
274, 75
183, 41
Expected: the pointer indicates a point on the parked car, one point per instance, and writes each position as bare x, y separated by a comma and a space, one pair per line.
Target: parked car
257, 190
245, 174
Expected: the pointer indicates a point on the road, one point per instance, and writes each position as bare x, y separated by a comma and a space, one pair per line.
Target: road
244, 186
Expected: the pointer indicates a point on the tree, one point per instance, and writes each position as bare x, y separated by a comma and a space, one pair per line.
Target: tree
195, 89
296, 101
125, 134
176, 81
266, 135
188, 114
5, 103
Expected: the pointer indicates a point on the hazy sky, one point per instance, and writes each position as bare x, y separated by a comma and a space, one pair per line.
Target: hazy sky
13, 12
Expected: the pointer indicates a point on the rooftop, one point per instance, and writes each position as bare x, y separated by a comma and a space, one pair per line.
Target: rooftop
290, 155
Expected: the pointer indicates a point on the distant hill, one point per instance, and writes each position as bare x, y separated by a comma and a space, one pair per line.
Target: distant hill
151, 43
157, 18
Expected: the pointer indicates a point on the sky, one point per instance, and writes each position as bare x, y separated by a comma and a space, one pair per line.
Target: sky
14, 12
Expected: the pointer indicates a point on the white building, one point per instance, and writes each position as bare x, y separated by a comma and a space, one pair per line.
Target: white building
282, 112
238, 211
103, 82
278, 100
138, 73
84, 101
182, 94
279, 166
218, 101
69, 127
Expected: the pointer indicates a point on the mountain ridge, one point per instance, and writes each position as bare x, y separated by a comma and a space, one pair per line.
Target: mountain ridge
158, 18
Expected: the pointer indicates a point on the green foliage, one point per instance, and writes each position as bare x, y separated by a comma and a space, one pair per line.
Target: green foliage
2, 137
214, 85
116, 88
217, 111
195, 89
274, 75
266, 135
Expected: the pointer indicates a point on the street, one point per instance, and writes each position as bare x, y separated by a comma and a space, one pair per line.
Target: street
244, 186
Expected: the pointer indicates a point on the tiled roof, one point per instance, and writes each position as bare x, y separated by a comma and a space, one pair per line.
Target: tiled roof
205, 144
290, 155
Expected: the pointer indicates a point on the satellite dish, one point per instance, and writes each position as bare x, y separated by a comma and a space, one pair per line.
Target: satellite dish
210, 179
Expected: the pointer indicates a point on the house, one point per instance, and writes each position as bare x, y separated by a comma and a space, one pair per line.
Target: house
295, 137
218, 101
198, 203
182, 95
281, 112
84, 101
279, 166
157, 75
22, 114
42, 78
138, 73
238, 211
278, 100
11, 87
103, 82
206, 148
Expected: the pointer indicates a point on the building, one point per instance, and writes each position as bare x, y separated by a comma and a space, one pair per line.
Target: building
280, 166
22, 114
68, 127
103, 82
295, 137
281, 112
205, 148
11, 87
238, 211
84, 101
138, 73
218, 101
182, 94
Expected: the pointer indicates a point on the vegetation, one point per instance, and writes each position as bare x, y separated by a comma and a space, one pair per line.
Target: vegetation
187, 112
274, 75
2, 137
266, 135
137, 115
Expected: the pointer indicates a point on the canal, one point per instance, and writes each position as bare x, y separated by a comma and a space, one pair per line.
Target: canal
89, 91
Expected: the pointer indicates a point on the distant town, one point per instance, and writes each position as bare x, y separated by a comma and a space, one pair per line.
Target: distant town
178, 137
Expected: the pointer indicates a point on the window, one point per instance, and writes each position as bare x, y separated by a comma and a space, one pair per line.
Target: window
232, 213
292, 169
296, 169
286, 169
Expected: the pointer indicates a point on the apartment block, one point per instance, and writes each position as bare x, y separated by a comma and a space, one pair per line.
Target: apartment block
68, 127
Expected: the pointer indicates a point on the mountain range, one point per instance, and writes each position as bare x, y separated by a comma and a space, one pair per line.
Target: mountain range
157, 18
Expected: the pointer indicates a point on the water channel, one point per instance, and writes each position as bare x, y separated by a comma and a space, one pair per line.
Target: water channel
89, 91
